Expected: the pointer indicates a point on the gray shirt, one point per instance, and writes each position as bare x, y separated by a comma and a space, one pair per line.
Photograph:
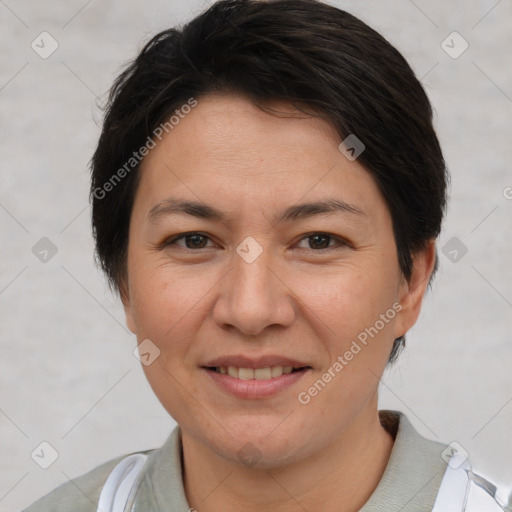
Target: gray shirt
409, 484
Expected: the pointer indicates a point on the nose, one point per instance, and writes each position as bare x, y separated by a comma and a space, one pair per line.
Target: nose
254, 296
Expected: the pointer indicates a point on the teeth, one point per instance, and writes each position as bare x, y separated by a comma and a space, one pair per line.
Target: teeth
276, 371
245, 373
263, 373
266, 373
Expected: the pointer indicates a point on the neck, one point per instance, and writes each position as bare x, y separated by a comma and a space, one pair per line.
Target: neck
340, 478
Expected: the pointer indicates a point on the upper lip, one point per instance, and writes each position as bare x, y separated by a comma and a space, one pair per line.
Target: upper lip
254, 362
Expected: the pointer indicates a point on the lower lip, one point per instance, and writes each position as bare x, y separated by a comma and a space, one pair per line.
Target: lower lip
255, 388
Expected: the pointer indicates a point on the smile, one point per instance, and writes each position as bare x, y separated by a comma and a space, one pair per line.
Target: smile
254, 383
266, 373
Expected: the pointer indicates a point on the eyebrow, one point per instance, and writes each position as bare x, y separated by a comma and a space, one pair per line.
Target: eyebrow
174, 206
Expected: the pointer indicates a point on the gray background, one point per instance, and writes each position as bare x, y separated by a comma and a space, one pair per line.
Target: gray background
67, 372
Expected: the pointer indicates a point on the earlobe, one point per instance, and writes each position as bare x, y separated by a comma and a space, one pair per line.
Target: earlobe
413, 290
129, 319
127, 304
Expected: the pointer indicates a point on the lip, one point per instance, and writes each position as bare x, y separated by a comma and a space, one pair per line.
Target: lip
254, 388
255, 362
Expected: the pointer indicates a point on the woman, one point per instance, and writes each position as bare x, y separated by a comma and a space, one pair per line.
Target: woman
267, 192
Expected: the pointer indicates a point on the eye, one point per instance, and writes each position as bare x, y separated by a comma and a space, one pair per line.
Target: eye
195, 240
191, 240
320, 241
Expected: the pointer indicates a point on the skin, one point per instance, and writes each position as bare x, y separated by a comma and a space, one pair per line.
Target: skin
297, 299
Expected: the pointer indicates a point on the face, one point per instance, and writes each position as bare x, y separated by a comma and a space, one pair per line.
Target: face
237, 289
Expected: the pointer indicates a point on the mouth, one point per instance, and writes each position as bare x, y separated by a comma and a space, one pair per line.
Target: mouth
258, 378
264, 373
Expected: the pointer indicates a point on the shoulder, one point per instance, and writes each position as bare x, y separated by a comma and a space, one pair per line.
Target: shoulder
80, 494
414, 471
412, 451
443, 473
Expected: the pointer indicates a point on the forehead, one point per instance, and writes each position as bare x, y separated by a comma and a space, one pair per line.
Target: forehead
228, 148
233, 128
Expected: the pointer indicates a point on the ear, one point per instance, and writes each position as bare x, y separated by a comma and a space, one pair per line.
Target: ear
413, 290
124, 292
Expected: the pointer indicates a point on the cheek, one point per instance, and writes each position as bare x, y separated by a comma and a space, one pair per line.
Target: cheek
348, 299
163, 304
167, 306
357, 321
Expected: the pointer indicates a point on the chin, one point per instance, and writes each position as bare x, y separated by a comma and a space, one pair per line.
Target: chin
260, 444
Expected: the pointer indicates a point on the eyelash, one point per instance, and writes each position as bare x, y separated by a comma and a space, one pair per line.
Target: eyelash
341, 242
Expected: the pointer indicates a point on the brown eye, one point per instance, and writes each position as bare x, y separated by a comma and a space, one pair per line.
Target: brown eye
191, 241
195, 241
319, 241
